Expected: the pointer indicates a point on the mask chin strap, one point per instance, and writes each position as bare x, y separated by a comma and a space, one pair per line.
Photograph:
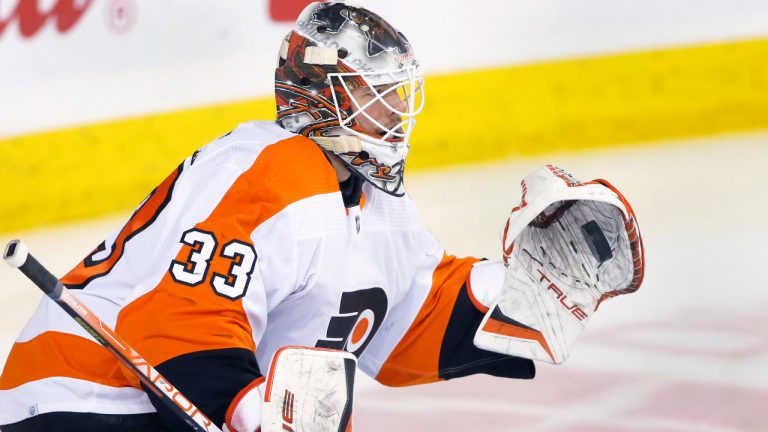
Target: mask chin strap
339, 144
351, 144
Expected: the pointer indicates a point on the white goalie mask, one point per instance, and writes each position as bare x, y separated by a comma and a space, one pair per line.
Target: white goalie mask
350, 81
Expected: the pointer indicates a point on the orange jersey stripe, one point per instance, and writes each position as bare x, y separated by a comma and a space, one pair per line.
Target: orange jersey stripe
175, 319
415, 359
143, 217
55, 354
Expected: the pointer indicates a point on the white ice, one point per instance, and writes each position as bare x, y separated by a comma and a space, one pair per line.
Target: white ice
688, 352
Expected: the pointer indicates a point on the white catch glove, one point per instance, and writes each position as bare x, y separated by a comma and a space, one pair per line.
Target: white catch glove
309, 390
567, 247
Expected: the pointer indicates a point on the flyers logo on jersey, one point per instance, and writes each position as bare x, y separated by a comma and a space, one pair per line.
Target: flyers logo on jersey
360, 316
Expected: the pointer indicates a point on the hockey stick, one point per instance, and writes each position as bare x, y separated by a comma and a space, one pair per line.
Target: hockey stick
17, 255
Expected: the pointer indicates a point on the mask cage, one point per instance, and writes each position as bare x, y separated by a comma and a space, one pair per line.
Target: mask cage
399, 92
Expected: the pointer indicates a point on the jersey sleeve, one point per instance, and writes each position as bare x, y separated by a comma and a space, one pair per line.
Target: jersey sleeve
428, 336
217, 258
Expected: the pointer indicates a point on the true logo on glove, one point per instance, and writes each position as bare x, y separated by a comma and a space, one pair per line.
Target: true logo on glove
575, 310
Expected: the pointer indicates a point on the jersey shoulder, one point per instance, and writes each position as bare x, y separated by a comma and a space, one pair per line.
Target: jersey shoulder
246, 142
276, 165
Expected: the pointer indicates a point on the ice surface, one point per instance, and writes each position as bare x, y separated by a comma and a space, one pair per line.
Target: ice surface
688, 352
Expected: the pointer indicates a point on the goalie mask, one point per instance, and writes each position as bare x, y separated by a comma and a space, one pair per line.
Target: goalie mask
349, 81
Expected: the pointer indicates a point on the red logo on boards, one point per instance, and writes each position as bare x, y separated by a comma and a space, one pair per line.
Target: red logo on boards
30, 17
286, 10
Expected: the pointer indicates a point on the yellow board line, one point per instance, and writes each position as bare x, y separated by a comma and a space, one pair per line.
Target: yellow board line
568, 105
594, 102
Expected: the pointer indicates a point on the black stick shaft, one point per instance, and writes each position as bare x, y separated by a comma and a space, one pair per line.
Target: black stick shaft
17, 255
32, 268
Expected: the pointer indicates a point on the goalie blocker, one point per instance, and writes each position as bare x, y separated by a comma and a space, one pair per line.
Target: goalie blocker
308, 390
567, 247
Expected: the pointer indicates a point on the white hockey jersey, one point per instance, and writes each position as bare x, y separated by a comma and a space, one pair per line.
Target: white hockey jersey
248, 246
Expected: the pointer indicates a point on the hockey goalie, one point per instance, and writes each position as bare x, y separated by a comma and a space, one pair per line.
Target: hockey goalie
277, 260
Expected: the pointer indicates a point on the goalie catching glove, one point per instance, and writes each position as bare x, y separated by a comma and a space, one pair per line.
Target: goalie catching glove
567, 247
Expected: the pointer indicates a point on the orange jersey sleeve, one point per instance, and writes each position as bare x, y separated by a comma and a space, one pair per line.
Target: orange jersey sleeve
429, 335
416, 358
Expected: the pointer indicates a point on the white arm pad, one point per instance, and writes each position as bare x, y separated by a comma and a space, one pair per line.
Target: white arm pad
485, 282
244, 413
